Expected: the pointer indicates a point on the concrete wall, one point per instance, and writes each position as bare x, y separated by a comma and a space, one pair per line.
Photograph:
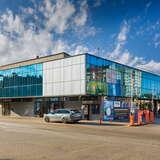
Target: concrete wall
73, 104
22, 108
64, 77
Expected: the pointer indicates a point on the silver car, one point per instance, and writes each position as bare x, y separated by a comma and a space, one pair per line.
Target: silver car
63, 115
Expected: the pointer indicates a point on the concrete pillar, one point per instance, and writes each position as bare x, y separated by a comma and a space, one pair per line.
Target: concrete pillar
1, 110
101, 107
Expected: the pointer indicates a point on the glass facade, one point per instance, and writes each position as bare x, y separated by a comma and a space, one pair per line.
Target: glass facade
21, 81
70, 76
104, 77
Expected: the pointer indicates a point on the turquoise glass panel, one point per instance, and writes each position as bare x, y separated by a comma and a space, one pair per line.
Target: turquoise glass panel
21, 81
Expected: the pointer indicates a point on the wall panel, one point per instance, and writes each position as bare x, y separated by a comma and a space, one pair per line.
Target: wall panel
65, 77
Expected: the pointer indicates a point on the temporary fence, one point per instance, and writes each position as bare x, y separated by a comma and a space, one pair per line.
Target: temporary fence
141, 118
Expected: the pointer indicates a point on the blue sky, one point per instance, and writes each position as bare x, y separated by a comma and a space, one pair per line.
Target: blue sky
126, 31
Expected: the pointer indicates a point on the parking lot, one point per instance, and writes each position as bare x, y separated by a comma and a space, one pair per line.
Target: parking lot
32, 139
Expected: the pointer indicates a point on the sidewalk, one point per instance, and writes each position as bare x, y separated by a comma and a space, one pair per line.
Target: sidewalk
24, 118
82, 122
103, 123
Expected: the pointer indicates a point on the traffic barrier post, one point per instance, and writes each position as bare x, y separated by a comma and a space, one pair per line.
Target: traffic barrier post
146, 112
131, 120
151, 117
140, 113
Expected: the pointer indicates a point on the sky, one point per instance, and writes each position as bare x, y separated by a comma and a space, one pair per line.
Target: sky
126, 31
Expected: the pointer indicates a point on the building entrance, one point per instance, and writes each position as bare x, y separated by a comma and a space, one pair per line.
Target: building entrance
6, 109
91, 111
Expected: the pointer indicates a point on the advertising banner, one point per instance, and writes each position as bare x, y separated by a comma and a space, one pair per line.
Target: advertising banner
108, 110
117, 104
121, 110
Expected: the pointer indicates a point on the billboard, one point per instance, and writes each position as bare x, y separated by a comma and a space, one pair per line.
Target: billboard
108, 111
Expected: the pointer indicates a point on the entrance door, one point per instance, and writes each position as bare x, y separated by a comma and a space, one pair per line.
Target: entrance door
87, 112
6, 109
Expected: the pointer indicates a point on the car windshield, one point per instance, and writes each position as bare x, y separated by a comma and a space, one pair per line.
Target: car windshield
62, 111
51, 112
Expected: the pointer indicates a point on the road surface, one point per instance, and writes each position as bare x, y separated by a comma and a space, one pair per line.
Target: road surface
31, 139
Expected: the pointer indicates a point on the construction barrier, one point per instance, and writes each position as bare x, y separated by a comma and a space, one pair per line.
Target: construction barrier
146, 113
140, 114
131, 120
143, 117
151, 117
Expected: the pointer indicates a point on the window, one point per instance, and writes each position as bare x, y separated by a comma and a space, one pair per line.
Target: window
21, 81
59, 111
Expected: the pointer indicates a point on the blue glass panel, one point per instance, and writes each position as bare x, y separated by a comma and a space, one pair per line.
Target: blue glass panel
21, 81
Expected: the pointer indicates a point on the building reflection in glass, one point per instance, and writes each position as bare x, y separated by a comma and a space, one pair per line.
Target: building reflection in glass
21, 81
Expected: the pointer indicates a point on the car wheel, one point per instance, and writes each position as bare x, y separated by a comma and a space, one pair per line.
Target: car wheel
46, 119
64, 120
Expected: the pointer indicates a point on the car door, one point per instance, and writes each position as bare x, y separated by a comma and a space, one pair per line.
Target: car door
61, 114
52, 116
57, 115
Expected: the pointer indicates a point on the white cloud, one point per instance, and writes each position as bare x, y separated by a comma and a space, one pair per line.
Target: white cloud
60, 46
82, 16
80, 49
11, 23
27, 46
58, 15
18, 42
122, 55
120, 41
3, 43
21, 39
152, 66
122, 36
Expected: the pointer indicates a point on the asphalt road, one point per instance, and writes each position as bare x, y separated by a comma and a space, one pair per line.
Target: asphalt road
35, 140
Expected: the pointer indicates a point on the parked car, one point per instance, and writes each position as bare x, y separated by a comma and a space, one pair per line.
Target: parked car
63, 115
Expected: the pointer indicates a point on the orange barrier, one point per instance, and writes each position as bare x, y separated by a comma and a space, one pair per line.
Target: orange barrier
147, 118
151, 117
140, 114
148, 115
131, 120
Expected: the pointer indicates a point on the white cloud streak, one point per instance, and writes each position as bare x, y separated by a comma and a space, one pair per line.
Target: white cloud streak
81, 18
122, 55
58, 15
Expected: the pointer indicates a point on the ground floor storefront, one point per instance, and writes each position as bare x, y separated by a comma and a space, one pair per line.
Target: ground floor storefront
92, 107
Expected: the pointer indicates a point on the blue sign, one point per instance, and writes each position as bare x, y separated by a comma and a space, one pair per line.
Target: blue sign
108, 111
